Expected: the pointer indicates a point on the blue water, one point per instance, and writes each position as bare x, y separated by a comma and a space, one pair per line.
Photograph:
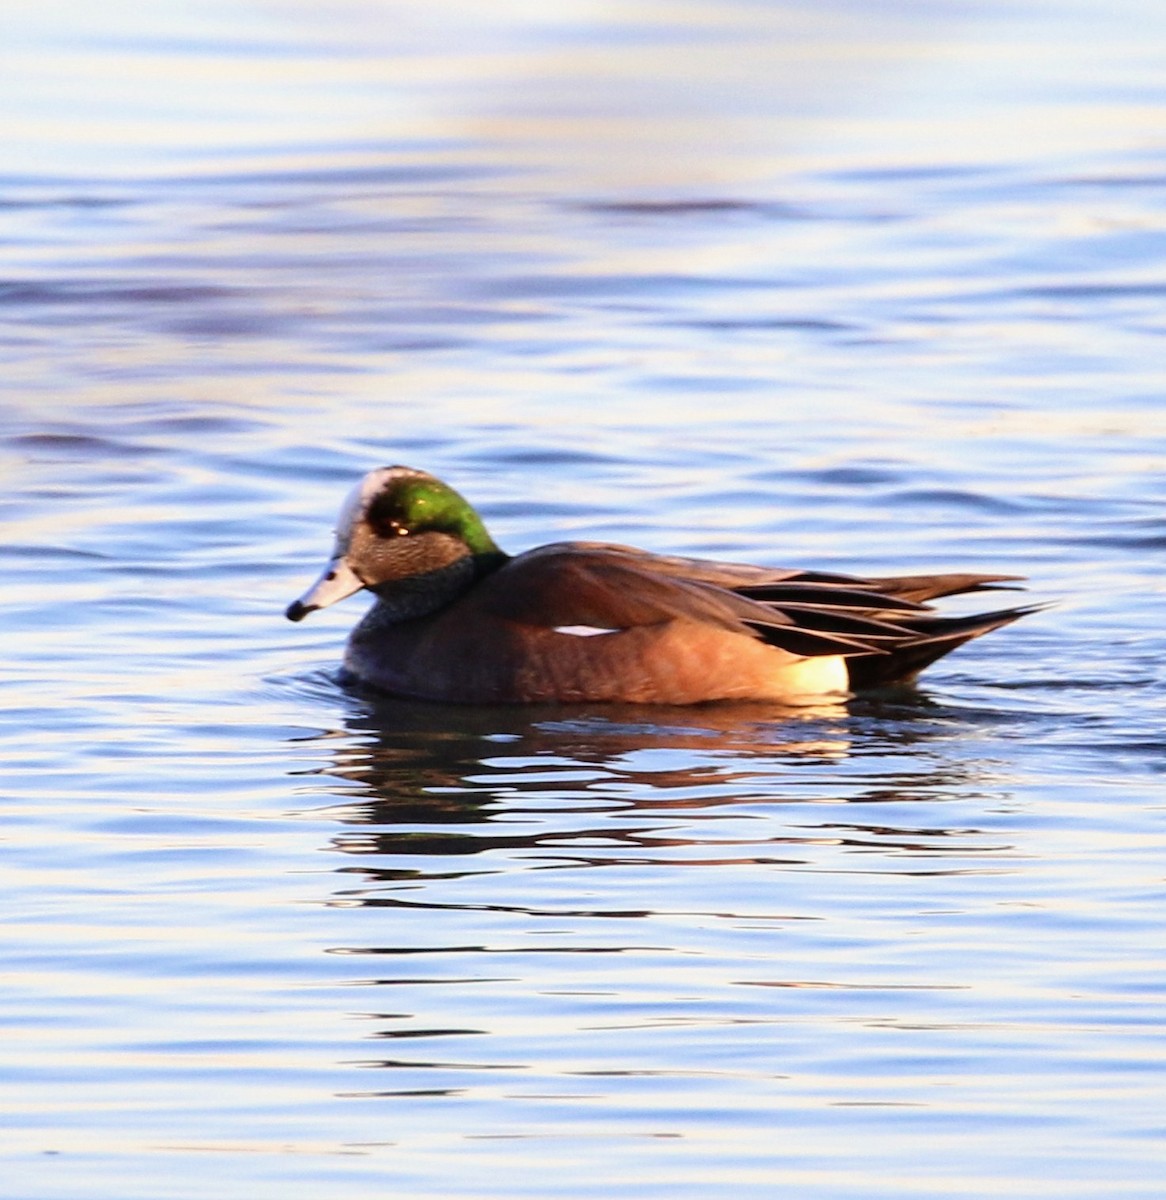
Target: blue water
869, 288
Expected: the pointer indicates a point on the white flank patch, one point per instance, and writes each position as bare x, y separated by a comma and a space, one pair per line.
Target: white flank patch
583, 630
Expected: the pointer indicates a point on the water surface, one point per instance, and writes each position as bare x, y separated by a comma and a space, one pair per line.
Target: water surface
874, 288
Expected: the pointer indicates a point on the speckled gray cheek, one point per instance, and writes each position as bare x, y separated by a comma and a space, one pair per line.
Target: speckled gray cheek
379, 560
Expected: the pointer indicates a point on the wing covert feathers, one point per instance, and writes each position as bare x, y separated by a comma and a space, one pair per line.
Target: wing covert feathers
884, 626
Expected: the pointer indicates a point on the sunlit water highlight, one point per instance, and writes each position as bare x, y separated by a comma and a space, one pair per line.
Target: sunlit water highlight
867, 289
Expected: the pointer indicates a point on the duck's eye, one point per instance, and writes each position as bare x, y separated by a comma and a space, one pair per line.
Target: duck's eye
396, 529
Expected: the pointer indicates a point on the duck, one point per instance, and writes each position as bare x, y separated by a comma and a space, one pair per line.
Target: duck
457, 619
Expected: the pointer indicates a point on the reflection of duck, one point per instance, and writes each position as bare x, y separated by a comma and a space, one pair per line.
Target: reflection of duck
431, 792
457, 619
405, 761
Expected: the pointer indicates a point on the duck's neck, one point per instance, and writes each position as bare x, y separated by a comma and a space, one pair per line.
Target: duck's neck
428, 592
486, 562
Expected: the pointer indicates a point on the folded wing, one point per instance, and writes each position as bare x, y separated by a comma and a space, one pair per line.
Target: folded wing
882, 626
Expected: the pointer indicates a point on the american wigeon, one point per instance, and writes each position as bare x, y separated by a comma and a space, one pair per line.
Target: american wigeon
457, 619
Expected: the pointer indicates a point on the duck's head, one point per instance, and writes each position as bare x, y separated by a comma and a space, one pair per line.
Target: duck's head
409, 538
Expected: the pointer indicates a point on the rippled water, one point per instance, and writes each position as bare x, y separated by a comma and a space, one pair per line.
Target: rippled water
863, 287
